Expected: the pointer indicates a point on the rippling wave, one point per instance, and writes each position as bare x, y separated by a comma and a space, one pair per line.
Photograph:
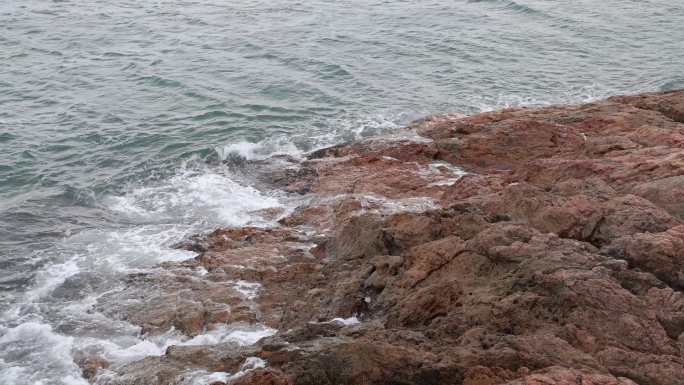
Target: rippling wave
509, 4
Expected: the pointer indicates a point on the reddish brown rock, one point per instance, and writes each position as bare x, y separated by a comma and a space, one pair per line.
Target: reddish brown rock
91, 365
523, 246
660, 253
262, 377
563, 376
667, 193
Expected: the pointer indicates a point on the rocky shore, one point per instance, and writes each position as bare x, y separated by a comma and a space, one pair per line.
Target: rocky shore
522, 246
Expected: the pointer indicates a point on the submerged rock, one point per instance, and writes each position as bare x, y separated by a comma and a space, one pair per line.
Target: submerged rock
523, 246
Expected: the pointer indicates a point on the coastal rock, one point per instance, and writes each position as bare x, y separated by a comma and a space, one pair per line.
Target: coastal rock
563, 376
523, 246
660, 253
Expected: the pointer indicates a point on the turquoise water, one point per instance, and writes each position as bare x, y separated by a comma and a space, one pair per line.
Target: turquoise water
114, 116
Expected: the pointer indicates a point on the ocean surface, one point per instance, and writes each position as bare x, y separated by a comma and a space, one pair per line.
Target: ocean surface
115, 117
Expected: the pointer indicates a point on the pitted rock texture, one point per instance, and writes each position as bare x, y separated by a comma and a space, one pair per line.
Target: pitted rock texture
523, 246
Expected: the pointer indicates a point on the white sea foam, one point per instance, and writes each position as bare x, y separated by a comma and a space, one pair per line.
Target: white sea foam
125, 349
572, 95
249, 290
252, 363
354, 128
346, 321
130, 248
330, 132
202, 377
246, 150
50, 359
12, 374
194, 195
51, 277
122, 355
130, 348
260, 150
154, 217
242, 335
442, 174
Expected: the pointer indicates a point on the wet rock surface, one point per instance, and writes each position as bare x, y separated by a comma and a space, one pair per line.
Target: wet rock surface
523, 246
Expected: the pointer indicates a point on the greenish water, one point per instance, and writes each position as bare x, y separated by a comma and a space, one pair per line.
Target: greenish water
114, 116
